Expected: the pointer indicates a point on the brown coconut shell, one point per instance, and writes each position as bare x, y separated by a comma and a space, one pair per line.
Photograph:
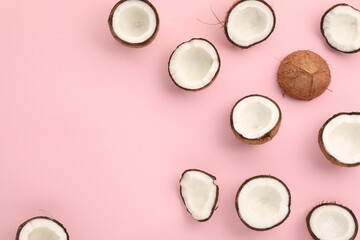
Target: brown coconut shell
237, 207
328, 156
264, 138
334, 204
322, 29
227, 20
212, 80
40, 217
303, 75
217, 193
128, 44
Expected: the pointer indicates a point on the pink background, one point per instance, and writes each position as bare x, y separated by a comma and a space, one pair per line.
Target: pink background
96, 135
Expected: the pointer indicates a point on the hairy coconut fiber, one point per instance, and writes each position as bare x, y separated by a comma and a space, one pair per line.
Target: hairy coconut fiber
303, 75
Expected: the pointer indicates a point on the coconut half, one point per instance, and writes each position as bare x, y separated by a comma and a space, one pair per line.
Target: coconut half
331, 221
303, 75
340, 26
255, 119
249, 22
194, 64
134, 23
339, 139
199, 193
263, 202
42, 228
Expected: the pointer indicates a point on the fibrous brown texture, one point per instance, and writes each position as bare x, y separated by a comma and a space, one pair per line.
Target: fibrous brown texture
303, 75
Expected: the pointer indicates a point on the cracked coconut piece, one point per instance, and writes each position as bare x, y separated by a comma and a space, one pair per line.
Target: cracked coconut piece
263, 202
249, 22
134, 23
199, 193
340, 26
42, 228
194, 64
339, 139
255, 119
332, 221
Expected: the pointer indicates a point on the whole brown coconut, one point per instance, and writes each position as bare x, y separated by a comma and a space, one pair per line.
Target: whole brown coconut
303, 75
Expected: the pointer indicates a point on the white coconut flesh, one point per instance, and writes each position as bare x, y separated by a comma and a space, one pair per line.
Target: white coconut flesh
250, 22
255, 116
332, 222
199, 193
194, 64
341, 138
42, 229
134, 21
341, 28
263, 202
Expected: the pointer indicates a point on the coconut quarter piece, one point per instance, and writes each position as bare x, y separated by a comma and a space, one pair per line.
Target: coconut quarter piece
194, 64
134, 23
332, 221
340, 26
249, 22
199, 193
303, 75
255, 119
263, 202
339, 139
42, 228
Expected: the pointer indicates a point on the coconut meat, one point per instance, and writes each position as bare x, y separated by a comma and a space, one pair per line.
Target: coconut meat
42, 228
194, 64
255, 116
341, 28
134, 21
332, 222
249, 22
199, 193
263, 202
341, 138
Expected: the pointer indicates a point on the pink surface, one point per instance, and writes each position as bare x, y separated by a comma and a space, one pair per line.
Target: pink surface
96, 135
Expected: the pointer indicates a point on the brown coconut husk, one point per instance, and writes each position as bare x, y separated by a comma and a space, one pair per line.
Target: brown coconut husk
303, 75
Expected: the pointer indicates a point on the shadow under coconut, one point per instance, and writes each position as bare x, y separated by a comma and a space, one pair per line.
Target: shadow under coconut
301, 229
98, 32
231, 219
314, 155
